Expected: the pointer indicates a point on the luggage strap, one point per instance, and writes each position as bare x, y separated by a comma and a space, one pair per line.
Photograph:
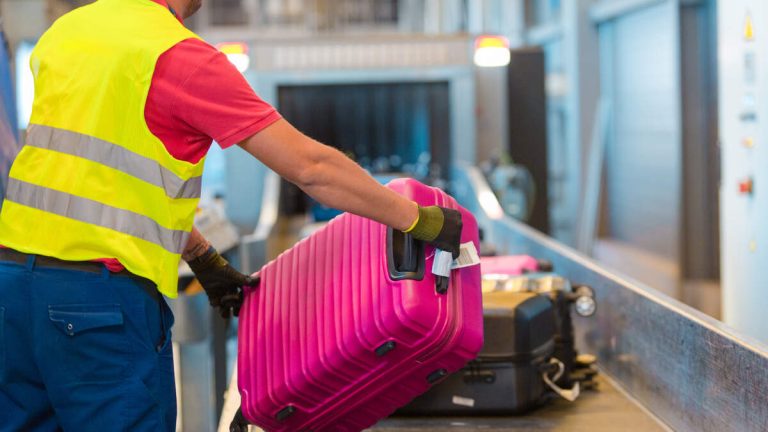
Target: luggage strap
569, 395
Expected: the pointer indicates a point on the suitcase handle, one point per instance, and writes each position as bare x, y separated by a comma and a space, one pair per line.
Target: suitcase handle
405, 256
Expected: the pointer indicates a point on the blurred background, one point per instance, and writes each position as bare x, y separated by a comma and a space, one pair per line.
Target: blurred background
622, 143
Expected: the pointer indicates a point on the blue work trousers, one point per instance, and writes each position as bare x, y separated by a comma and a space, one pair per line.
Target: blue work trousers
83, 351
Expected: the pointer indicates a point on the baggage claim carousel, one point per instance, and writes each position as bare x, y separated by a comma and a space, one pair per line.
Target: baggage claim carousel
603, 409
663, 365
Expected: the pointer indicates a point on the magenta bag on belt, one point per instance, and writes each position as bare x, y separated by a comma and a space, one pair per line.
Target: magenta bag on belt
351, 324
512, 265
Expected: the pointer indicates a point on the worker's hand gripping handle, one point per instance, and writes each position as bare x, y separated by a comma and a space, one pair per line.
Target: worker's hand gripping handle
221, 282
440, 227
437, 226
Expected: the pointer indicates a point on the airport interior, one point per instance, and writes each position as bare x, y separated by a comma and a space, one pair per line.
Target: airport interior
617, 145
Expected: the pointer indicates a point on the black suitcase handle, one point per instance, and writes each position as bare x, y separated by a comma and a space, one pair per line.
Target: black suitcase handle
406, 259
405, 256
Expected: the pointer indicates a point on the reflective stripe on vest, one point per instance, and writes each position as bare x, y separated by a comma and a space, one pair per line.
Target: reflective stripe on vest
115, 157
92, 181
92, 212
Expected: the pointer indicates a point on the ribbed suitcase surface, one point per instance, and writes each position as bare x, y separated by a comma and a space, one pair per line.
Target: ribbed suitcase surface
332, 341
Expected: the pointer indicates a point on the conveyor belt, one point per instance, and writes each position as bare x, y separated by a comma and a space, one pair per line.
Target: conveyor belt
603, 410
689, 370
692, 372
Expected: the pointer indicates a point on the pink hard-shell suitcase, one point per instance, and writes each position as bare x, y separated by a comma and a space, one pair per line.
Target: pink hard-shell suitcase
351, 324
513, 265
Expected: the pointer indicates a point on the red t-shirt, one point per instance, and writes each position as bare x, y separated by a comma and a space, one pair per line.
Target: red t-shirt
197, 96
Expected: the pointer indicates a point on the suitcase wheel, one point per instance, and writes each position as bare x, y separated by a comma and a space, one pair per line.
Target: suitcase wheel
385, 348
285, 413
437, 376
583, 297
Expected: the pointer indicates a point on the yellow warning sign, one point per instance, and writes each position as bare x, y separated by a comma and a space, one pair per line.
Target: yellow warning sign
749, 28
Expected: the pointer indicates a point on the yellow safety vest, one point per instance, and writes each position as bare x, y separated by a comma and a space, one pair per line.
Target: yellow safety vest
92, 181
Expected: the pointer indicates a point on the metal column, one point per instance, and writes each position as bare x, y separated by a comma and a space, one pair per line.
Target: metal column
743, 46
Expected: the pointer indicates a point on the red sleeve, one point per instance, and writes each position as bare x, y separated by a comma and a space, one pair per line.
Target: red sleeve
197, 96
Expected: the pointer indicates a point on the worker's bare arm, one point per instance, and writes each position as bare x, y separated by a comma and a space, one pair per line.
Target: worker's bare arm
196, 246
329, 176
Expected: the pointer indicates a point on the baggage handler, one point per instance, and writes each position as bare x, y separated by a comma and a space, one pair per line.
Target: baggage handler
100, 207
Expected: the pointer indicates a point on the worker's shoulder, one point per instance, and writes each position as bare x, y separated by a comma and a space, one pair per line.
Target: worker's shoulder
190, 64
190, 52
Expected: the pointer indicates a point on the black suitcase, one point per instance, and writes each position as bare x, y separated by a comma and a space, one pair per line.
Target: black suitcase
506, 377
572, 368
565, 298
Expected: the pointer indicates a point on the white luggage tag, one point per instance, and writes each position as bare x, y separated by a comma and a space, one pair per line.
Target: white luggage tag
441, 266
468, 256
444, 262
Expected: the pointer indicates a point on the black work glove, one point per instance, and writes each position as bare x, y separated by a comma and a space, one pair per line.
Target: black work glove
221, 282
440, 227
